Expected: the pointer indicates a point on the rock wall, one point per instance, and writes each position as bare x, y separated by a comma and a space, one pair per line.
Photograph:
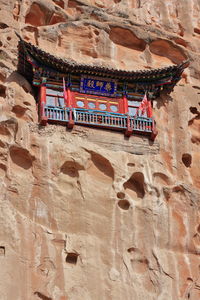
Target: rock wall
88, 214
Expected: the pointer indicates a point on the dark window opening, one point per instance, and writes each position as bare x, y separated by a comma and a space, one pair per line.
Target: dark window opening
72, 258
2, 251
187, 159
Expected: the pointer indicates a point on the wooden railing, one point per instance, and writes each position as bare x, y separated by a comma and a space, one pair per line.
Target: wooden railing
56, 113
98, 119
141, 124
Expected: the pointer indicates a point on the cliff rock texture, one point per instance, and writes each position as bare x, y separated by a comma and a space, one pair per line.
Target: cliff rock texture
88, 214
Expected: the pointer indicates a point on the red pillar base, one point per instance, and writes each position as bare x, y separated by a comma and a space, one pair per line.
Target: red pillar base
128, 132
70, 124
154, 134
43, 121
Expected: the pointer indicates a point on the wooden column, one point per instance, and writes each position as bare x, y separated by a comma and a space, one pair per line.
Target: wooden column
125, 104
65, 93
69, 97
129, 130
42, 103
69, 104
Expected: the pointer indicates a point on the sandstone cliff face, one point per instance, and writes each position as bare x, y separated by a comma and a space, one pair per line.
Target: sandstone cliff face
88, 214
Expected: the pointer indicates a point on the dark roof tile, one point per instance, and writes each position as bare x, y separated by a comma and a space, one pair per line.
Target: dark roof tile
51, 61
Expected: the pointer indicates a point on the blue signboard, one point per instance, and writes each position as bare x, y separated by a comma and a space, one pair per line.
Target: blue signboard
98, 86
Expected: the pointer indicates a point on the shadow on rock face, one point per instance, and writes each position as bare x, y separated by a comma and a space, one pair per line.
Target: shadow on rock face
135, 185
21, 157
21, 81
71, 168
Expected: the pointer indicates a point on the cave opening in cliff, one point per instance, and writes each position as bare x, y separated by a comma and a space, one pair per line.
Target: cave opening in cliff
2, 91
124, 204
2, 251
72, 258
187, 159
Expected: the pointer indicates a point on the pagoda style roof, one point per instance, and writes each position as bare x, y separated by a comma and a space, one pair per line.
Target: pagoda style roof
31, 56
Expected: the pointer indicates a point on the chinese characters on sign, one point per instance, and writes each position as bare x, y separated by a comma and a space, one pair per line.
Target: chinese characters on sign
98, 86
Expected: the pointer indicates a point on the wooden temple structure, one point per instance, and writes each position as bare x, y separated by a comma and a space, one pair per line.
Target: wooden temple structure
71, 93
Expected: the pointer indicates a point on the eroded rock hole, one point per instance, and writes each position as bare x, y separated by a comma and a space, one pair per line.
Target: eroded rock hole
3, 26
19, 110
102, 164
132, 249
37, 15
21, 157
136, 184
178, 189
42, 296
187, 159
126, 38
131, 165
96, 32
2, 251
197, 30
71, 168
120, 195
72, 258
167, 49
193, 110
2, 91
161, 178
27, 103
56, 18
124, 204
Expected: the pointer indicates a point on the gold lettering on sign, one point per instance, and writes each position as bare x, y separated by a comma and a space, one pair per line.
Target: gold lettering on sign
108, 87
90, 83
99, 83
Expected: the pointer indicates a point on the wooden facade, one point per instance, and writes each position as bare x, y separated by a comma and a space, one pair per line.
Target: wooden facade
71, 93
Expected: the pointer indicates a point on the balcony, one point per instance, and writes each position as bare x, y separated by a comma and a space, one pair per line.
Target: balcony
95, 118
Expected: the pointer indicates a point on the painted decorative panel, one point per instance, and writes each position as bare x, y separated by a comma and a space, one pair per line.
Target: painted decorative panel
98, 86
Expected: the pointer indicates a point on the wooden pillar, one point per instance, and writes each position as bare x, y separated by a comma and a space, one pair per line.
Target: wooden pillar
129, 130
42, 103
65, 93
69, 97
125, 104
70, 105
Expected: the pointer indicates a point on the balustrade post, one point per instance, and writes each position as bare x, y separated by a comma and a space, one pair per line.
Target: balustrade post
154, 130
129, 129
42, 103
